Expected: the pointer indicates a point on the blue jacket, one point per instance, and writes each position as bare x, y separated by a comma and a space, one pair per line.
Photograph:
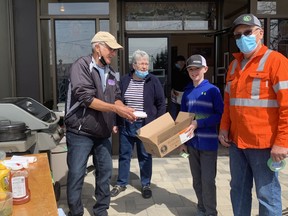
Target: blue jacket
206, 102
154, 98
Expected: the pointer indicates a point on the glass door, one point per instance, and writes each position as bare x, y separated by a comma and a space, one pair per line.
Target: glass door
279, 35
72, 40
66, 29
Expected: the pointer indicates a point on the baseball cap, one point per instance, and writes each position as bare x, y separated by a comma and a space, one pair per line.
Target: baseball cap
196, 61
106, 37
246, 19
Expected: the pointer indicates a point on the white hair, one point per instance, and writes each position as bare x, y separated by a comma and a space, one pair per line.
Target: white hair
139, 54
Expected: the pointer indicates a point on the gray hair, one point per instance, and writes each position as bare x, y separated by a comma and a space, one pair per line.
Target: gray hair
93, 45
137, 55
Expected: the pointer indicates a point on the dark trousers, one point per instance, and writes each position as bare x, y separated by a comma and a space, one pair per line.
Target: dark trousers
203, 166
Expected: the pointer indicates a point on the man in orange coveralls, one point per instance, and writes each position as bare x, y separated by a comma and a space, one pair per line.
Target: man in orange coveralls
254, 124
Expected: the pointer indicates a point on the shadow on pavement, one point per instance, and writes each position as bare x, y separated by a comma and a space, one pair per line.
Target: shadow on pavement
133, 202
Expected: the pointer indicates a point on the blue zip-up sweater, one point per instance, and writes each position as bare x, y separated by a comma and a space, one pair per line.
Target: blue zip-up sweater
206, 102
154, 97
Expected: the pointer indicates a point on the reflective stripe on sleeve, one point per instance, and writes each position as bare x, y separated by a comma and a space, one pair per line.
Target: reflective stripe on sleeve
280, 86
253, 103
233, 67
227, 87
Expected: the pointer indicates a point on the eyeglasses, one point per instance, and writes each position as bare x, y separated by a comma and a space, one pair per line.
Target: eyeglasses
142, 64
246, 33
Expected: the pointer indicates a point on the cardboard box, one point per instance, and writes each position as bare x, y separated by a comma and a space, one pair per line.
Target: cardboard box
163, 135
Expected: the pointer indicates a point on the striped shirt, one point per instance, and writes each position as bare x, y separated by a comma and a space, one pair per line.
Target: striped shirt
133, 96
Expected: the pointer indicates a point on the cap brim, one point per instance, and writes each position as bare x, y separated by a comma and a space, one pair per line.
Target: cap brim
195, 65
114, 45
233, 27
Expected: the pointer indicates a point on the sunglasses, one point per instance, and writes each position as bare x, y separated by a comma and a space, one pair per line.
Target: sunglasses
246, 33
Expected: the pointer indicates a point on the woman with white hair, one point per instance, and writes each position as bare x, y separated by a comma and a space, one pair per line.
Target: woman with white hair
142, 91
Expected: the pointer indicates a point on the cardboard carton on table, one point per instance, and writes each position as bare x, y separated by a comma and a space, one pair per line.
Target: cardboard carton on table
163, 135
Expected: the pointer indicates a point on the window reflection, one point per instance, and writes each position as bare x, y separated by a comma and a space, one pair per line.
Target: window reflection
279, 35
104, 25
157, 49
266, 7
72, 41
170, 16
46, 59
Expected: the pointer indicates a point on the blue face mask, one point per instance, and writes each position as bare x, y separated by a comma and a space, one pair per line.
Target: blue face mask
141, 74
246, 44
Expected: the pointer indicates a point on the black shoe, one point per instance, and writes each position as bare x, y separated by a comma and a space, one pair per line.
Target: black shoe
146, 192
116, 190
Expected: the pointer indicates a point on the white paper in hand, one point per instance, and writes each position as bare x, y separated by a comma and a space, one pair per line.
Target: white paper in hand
140, 114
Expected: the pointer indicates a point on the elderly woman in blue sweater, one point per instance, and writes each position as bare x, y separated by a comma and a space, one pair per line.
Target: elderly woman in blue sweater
143, 92
205, 101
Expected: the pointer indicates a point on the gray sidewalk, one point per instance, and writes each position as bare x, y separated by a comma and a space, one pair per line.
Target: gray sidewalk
172, 190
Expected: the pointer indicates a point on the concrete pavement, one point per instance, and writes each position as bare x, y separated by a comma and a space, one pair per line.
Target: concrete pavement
173, 194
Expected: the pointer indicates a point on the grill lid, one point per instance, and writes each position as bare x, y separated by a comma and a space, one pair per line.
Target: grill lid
13, 130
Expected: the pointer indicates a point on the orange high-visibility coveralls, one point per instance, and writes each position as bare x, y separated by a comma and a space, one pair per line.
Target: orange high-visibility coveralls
256, 101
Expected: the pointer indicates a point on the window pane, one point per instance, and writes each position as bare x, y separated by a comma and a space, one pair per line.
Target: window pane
104, 25
170, 16
279, 35
196, 25
93, 8
72, 41
46, 59
6, 72
266, 7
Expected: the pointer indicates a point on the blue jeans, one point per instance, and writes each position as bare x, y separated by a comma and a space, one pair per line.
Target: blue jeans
127, 140
79, 149
246, 164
